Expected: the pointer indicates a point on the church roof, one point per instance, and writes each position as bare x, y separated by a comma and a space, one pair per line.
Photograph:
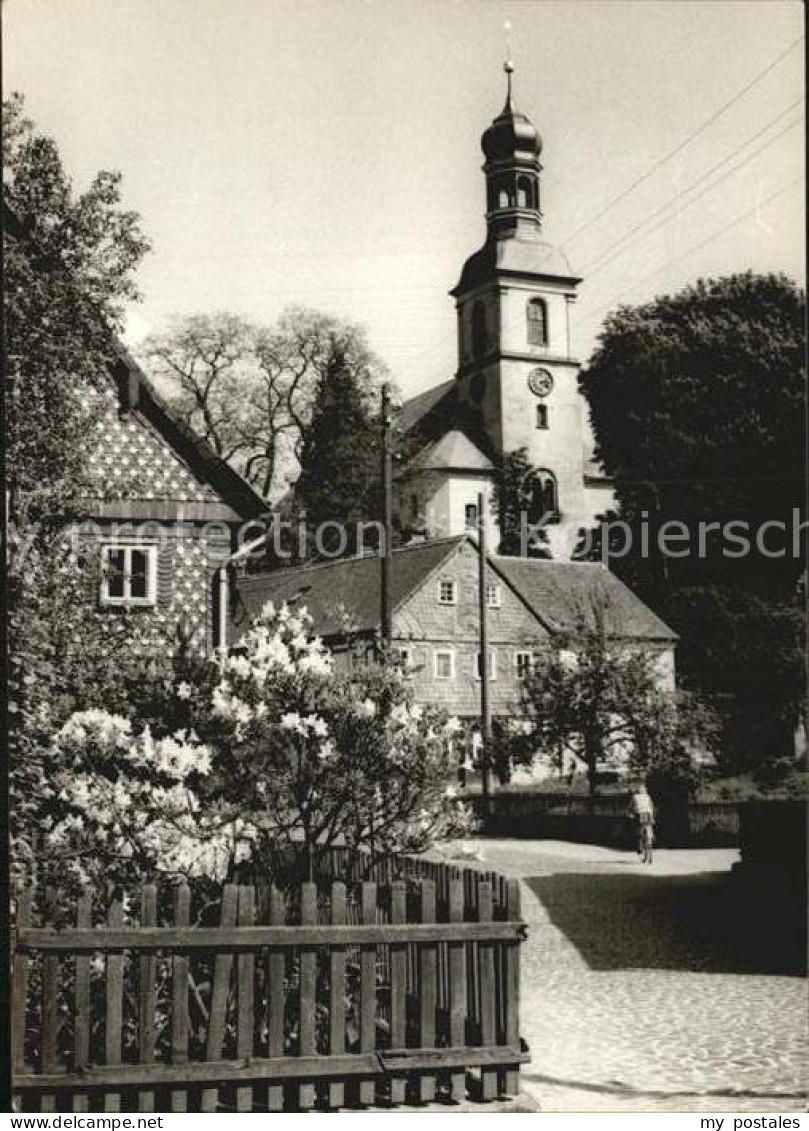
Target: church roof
414, 410
454, 451
511, 135
517, 255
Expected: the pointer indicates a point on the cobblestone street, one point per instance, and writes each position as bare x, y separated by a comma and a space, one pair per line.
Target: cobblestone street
641, 991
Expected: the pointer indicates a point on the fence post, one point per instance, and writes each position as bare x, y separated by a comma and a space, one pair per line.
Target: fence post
398, 986
246, 992
81, 1040
114, 1012
368, 991
337, 1006
308, 991
50, 1008
457, 988
427, 987
276, 968
179, 996
147, 996
488, 989
220, 991
512, 986
20, 986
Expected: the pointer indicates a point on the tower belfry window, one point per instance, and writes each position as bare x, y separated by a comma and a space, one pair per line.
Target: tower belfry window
478, 329
545, 498
524, 193
542, 416
537, 315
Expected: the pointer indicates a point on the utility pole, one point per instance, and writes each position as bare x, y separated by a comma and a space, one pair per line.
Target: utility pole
386, 611
485, 710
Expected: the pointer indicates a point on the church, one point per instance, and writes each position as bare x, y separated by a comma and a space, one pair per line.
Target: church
515, 387
516, 382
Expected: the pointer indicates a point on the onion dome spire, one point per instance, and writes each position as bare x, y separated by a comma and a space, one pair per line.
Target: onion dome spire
511, 146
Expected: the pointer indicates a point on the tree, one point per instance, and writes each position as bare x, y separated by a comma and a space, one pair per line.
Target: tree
697, 402
601, 701
339, 485
250, 389
204, 362
273, 752
517, 502
69, 264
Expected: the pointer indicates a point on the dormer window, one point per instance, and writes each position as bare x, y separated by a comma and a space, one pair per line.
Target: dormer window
537, 315
447, 592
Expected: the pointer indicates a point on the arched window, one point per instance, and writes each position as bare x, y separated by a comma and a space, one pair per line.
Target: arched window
545, 499
537, 314
502, 199
478, 329
524, 193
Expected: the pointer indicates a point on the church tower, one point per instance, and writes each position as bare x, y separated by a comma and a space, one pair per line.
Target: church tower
513, 300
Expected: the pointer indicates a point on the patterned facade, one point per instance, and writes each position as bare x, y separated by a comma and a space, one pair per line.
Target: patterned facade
163, 514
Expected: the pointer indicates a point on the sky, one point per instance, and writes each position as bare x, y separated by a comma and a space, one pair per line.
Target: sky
327, 152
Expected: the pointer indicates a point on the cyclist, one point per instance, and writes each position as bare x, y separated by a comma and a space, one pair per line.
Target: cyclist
643, 811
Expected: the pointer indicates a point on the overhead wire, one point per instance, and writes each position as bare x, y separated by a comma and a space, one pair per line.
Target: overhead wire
604, 257
757, 78
696, 247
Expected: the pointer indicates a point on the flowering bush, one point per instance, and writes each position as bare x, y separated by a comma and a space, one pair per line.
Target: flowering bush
251, 754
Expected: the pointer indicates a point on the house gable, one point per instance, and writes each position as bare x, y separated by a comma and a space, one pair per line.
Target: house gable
425, 628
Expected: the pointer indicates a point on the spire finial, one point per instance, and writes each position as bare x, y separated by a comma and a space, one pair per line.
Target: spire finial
508, 66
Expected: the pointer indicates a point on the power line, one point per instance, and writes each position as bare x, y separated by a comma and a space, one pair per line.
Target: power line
681, 146
697, 247
600, 261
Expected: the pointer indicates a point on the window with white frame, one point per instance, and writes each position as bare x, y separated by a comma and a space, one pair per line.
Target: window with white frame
447, 591
524, 662
493, 596
444, 663
128, 575
492, 665
405, 657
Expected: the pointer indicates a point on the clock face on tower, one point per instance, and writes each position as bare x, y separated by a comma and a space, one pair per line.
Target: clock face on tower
540, 382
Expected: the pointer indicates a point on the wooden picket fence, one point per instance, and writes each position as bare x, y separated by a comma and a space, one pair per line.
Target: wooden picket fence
347, 993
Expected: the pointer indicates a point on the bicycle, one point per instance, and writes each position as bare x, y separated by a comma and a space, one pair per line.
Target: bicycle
646, 843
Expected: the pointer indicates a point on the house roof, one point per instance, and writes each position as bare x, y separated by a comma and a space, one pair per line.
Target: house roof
232, 488
454, 451
137, 394
344, 595
562, 594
